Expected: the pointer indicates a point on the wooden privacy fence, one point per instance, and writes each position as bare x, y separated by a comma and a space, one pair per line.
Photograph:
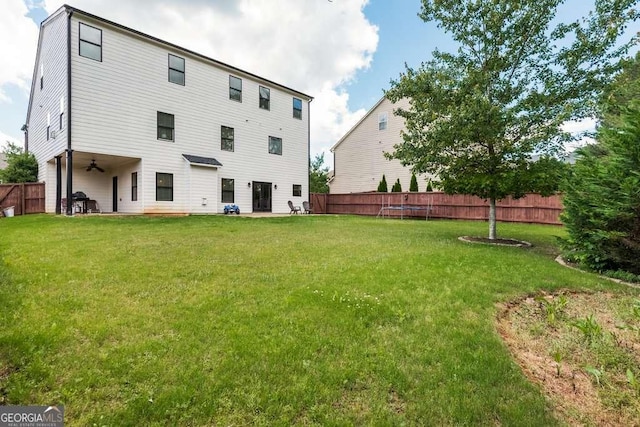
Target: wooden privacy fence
26, 198
533, 208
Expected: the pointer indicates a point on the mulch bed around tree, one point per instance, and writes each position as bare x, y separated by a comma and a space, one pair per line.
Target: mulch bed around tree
496, 242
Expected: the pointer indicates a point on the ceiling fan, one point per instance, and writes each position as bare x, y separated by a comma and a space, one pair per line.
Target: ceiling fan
93, 165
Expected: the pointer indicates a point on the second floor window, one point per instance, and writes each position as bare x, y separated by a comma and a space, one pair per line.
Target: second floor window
176, 69
90, 42
227, 138
235, 88
275, 145
382, 121
165, 126
265, 98
297, 108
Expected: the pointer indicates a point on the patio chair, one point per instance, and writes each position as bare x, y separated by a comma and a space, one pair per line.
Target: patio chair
92, 206
307, 207
294, 209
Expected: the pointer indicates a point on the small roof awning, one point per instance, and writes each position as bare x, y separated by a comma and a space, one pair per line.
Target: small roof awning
202, 161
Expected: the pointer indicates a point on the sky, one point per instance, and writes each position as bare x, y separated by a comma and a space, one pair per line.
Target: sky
342, 52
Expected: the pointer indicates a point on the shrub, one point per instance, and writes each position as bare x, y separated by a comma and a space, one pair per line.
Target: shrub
602, 198
413, 186
397, 187
382, 186
429, 186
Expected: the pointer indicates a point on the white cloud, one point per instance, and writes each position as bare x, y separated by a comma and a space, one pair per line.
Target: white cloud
4, 138
314, 46
578, 128
19, 35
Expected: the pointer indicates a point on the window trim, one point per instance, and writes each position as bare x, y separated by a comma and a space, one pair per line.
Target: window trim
134, 186
275, 138
222, 138
267, 100
183, 71
158, 187
80, 41
234, 89
173, 129
299, 116
226, 192
299, 190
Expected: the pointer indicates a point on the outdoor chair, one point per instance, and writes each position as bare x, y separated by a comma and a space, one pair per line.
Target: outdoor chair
294, 209
307, 207
92, 207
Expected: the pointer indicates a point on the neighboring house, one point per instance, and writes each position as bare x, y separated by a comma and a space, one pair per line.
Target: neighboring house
3, 160
358, 157
144, 126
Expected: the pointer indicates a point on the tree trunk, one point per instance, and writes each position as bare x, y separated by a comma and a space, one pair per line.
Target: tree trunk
492, 219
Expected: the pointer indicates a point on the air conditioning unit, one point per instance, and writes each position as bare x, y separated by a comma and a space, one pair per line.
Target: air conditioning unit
53, 134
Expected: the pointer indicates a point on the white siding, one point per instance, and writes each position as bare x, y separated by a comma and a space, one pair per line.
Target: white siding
51, 63
359, 161
115, 105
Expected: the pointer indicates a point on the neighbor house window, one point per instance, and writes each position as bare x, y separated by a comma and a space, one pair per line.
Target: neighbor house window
165, 126
176, 69
61, 120
48, 126
48, 132
275, 145
41, 76
227, 138
164, 187
134, 186
382, 121
265, 98
90, 42
227, 190
61, 112
297, 190
235, 88
297, 108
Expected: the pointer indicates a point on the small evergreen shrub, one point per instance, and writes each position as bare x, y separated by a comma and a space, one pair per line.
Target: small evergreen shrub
413, 186
397, 187
429, 186
382, 186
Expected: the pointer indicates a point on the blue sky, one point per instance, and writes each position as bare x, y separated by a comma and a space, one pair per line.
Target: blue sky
343, 52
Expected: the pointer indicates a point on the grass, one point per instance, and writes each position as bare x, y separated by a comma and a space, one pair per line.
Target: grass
273, 321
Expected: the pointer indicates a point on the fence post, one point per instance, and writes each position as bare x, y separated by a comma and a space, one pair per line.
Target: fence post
23, 200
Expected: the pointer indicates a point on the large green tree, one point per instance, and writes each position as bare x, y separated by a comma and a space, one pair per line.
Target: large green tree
318, 175
21, 166
602, 194
477, 115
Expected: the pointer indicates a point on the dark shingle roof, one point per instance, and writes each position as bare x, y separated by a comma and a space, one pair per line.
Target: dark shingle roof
209, 161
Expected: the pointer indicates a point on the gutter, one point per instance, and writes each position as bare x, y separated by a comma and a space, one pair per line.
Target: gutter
69, 150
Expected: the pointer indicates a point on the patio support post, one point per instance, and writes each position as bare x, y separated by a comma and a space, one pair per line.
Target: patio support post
69, 182
58, 185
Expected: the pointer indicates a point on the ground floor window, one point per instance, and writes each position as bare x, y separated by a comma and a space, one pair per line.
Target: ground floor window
134, 186
164, 187
227, 190
297, 190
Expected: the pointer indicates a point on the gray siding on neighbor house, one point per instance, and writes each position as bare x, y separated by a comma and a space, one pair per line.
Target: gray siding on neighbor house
359, 160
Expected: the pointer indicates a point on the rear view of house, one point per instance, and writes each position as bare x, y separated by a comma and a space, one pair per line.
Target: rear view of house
144, 126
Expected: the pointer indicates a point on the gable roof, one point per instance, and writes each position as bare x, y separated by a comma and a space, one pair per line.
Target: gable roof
367, 114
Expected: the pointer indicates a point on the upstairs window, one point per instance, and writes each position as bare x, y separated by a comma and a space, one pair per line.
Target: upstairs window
265, 98
275, 145
90, 42
165, 126
227, 138
41, 76
176, 69
382, 121
235, 88
297, 108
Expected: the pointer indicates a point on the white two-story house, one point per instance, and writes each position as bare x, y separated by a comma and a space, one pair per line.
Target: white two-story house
358, 157
141, 125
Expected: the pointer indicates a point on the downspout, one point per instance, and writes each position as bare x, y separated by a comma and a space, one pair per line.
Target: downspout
69, 150
309, 149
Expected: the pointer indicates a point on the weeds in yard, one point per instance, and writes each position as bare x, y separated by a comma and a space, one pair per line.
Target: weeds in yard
590, 328
553, 307
596, 373
557, 357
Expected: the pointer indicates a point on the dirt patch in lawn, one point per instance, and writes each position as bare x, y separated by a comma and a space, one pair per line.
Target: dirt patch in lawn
496, 242
582, 349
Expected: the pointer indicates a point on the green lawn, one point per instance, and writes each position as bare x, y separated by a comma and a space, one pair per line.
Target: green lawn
297, 320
